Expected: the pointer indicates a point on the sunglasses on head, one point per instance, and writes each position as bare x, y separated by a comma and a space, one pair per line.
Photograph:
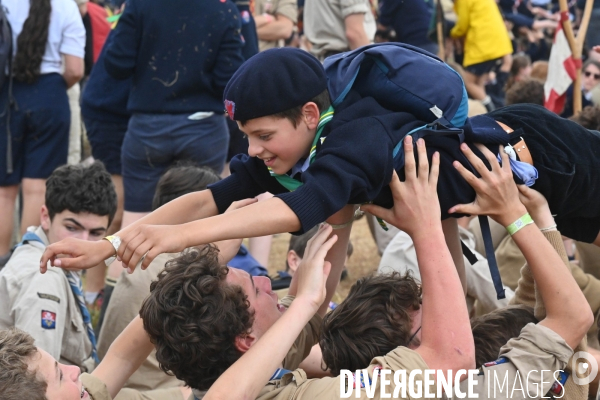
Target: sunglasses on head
588, 74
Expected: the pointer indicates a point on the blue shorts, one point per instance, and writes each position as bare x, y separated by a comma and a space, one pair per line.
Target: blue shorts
483, 67
106, 138
154, 142
39, 125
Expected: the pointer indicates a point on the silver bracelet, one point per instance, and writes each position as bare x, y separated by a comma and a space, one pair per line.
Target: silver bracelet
550, 228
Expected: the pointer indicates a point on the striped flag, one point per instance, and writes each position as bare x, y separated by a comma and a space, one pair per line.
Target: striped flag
561, 70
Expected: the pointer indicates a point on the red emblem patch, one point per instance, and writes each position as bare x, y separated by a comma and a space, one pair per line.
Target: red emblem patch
48, 320
230, 107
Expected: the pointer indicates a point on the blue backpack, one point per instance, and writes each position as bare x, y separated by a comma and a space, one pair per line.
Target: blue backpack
386, 72
392, 74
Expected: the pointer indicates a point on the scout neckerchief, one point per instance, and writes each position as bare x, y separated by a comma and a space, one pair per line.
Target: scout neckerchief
75, 284
287, 181
292, 184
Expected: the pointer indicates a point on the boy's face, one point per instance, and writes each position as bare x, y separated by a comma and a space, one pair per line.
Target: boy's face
263, 301
62, 380
277, 142
85, 226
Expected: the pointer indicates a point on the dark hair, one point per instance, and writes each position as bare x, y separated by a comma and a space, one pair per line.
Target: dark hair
298, 244
193, 317
80, 188
322, 101
527, 91
519, 62
31, 42
16, 352
182, 179
373, 320
494, 330
589, 118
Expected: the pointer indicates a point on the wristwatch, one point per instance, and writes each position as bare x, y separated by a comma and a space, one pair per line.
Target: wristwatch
116, 242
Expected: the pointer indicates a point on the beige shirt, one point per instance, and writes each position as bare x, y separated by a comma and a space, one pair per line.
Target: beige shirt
536, 349
43, 306
126, 300
285, 8
324, 23
295, 385
95, 387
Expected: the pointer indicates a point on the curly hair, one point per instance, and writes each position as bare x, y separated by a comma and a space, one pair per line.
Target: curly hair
16, 351
193, 317
374, 319
589, 118
80, 188
526, 91
494, 330
31, 43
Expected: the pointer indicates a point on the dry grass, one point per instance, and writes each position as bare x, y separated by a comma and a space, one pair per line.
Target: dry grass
363, 262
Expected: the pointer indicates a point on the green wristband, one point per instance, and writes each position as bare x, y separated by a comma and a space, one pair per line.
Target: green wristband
519, 224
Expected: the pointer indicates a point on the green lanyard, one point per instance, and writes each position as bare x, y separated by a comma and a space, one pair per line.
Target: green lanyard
292, 184
287, 181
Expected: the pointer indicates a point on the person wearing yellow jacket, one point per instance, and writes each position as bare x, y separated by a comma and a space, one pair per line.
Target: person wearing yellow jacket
486, 42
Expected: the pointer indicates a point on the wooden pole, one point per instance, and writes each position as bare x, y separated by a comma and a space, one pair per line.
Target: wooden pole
576, 45
439, 26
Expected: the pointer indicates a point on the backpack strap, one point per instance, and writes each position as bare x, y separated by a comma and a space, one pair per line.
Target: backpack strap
491, 257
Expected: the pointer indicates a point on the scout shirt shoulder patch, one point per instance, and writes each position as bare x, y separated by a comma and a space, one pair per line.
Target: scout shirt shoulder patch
48, 319
47, 296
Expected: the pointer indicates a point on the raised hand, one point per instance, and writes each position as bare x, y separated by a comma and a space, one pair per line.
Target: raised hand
313, 270
497, 193
416, 205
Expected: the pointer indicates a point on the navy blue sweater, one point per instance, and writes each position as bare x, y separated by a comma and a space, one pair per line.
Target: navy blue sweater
354, 164
180, 53
104, 97
409, 18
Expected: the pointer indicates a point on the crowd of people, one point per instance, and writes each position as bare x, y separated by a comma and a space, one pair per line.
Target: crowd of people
143, 141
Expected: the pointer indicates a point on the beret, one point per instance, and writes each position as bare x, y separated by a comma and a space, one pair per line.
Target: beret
273, 81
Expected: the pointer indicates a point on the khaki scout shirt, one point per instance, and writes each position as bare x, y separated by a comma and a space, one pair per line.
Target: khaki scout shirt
43, 306
125, 302
285, 8
296, 386
95, 387
536, 349
324, 24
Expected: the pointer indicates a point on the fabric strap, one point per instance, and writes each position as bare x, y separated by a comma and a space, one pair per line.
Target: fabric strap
76, 288
491, 257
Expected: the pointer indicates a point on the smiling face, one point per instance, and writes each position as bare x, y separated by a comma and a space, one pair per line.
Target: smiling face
277, 142
263, 301
84, 225
62, 380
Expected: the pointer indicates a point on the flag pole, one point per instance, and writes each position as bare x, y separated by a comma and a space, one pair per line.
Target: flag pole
568, 30
577, 52
439, 27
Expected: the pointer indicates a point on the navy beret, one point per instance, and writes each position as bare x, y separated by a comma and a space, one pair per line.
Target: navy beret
273, 81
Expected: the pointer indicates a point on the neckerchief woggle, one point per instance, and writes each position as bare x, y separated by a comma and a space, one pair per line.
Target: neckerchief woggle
292, 184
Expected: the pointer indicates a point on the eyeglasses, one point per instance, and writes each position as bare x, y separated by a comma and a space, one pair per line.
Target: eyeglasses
588, 74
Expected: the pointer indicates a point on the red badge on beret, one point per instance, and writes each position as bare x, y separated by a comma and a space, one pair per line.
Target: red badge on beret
230, 107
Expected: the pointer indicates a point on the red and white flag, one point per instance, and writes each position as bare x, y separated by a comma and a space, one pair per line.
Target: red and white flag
561, 70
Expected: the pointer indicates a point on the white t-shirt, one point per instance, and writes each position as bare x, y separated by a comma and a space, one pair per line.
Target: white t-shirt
66, 33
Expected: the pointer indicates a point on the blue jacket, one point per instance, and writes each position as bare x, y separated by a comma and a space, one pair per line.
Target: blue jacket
104, 97
180, 53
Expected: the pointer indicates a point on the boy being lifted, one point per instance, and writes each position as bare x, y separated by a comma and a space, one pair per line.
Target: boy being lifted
317, 160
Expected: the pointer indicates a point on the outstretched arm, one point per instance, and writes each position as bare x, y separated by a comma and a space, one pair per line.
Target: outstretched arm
498, 197
417, 212
124, 357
